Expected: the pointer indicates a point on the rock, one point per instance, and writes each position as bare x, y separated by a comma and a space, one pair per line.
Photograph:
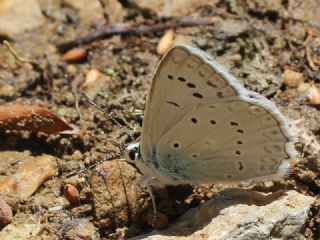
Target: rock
17, 16
171, 8
227, 28
111, 8
114, 11
20, 231
292, 78
7, 90
85, 9
114, 195
78, 229
94, 82
238, 214
5, 213
30, 173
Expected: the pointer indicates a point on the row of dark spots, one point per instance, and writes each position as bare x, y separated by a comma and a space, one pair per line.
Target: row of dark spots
239, 130
213, 122
240, 169
194, 120
190, 85
177, 145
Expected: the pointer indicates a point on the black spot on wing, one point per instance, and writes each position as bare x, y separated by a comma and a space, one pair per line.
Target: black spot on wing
173, 103
197, 95
191, 85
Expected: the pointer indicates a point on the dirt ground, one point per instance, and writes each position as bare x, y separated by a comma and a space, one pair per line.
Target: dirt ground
259, 42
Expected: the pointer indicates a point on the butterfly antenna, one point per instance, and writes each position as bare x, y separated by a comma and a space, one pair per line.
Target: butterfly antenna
110, 156
109, 116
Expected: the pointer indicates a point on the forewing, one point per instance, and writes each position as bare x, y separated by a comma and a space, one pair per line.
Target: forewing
234, 139
184, 78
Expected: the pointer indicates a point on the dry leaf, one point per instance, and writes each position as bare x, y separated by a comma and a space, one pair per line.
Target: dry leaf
34, 119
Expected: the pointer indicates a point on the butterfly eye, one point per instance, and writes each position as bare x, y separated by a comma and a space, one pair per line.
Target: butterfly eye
132, 153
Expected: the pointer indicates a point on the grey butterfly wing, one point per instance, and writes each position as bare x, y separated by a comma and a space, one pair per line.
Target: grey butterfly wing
175, 87
181, 140
233, 139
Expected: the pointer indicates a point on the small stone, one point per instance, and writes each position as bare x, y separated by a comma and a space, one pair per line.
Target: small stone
21, 231
76, 156
171, 8
303, 87
72, 70
72, 194
85, 10
18, 16
292, 78
30, 174
114, 195
5, 213
94, 82
239, 214
158, 222
78, 229
7, 90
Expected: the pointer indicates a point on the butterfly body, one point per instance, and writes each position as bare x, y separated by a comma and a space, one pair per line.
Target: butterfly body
202, 126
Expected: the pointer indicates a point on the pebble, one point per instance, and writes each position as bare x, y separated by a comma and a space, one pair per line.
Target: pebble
5, 213
160, 222
7, 90
30, 174
75, 55
18, 16
94, 82
113, 188
78, 229
292, 78
72, 194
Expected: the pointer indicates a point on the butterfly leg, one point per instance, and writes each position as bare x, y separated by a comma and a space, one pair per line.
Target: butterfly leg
145, 181
149, 187
136, 195
153, 199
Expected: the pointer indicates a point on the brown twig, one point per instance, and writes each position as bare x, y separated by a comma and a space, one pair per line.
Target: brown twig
307, 44
125, 30
17, 57
44, 71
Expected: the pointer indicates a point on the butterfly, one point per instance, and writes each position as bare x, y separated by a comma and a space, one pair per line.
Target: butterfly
202, 126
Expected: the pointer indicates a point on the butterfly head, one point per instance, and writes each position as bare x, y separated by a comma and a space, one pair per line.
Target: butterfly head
132, 152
